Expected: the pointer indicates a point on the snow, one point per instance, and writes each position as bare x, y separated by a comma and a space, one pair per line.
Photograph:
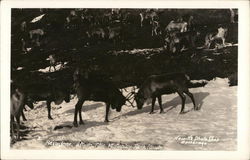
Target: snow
38, 18
19, 68
46, 70
213, 127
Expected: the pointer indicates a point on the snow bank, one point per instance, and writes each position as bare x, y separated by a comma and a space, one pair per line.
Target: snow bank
136, 129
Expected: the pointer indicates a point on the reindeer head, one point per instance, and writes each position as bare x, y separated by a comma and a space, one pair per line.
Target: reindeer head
139, 99
119, 101
61, 94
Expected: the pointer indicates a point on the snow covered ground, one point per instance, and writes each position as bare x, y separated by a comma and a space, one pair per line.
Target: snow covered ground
214, 127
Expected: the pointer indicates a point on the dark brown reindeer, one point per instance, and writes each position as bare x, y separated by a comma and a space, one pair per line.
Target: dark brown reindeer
17, 100
49, 92
96, 89
157, 85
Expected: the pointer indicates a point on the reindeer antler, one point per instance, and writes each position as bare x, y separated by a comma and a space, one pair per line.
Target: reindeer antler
131, 96
131, 103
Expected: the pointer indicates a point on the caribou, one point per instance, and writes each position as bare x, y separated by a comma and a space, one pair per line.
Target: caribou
95, 89
156, 85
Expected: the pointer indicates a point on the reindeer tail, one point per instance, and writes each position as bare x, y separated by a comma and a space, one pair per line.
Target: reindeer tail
196, 84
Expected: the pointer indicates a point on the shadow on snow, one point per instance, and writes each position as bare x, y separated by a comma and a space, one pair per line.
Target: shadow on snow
199, 97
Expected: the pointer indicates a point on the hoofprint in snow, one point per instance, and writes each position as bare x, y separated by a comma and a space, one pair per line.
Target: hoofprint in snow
214, 127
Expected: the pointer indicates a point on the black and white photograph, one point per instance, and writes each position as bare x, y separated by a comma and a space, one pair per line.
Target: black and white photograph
123, 78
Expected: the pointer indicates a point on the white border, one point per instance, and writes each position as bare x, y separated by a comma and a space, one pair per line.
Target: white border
243, 88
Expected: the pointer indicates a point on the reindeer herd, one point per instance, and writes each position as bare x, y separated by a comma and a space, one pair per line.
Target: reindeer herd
116, 25
177, 35
87, 87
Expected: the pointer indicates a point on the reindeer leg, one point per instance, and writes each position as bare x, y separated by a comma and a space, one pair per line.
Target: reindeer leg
183, 98
18, 126
49, 109
75, 116
12, 128
23, 116
80, 114
160, 104
79, 103
223, 41
49, 68
54, 67
107, 112
192, 98
153, 105
155, 31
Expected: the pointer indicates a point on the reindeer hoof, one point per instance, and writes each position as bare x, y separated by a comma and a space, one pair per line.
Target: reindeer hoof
12, 141
75, 124
50, 118
81, 122
182, 112
106, 121
151, 112
162, 112
24, 119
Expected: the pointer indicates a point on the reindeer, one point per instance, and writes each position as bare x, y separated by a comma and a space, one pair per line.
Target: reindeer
37, 33
114, 34
157, 85
176, 42
155, 28
17, 99
50, 92
221, 33
96, 89
176, 26
96, 35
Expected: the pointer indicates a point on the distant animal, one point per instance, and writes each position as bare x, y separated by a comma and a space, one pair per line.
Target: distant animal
155, 28
49, 92
23, 26
148, 17
221, 34
96, 33
156, 85
106, 17
17, 99
175, 41
114, 34
141, 19
95, 89
35, 36
39, 32
176, 26
171, 40
71, 16
23, 43
190, 24
232, 15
